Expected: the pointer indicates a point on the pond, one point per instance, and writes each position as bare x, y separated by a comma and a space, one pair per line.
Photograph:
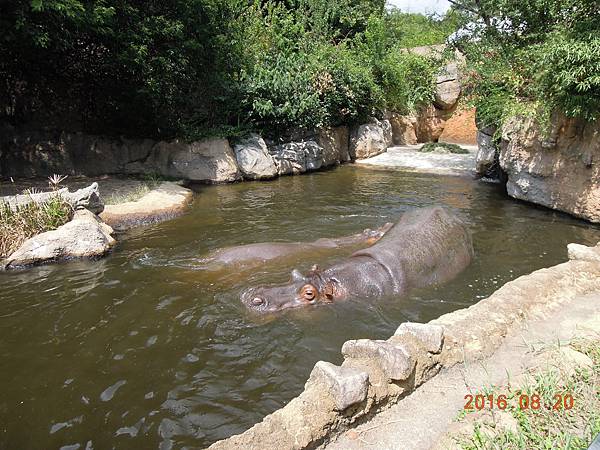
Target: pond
146, 349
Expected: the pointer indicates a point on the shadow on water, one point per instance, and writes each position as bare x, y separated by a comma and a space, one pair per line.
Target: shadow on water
143, 349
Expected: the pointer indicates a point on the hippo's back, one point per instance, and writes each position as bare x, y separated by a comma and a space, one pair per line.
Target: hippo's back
427, 246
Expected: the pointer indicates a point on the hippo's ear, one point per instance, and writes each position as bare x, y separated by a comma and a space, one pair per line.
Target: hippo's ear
297, 276
315, 268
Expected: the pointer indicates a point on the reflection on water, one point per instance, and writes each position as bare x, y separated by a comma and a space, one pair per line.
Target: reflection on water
143, 349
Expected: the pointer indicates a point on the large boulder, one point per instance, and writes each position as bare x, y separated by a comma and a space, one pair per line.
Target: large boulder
85, 236
369, 139
448, 88
559, 170
431, 122
335, 143
253, 158
388, 136
206, 161
297, 157
486, 152
403, 129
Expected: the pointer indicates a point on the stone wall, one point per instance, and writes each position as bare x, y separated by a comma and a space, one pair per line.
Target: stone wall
376, 373
559, 169
31, 153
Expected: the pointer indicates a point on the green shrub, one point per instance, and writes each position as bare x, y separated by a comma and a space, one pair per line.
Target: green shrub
194, 68
532, 57
443, 147
408, 80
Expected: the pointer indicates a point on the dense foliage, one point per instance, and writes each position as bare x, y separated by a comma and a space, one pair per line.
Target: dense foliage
532, 57
194, 67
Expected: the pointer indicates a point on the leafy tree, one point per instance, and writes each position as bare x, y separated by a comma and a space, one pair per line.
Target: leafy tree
197, 67
532, 57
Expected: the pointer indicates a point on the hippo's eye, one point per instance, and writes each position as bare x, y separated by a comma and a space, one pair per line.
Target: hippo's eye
308, 292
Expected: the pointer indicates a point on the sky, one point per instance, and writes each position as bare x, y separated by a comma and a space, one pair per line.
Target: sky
421, 6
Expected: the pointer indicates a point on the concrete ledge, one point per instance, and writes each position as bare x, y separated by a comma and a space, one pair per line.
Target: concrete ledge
375, 374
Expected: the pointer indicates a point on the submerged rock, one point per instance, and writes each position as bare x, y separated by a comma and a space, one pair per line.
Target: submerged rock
86, 236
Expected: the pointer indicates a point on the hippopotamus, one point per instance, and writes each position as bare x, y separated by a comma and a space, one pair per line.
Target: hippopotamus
262, 252
425, 247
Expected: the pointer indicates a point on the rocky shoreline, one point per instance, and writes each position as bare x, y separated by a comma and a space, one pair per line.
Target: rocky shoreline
90, 232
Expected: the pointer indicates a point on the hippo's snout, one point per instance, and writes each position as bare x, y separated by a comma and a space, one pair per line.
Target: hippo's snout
270, 299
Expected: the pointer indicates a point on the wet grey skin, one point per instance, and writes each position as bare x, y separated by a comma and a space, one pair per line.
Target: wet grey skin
427, 246
266, 251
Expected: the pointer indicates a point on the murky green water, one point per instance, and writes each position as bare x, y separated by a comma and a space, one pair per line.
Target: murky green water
142, 349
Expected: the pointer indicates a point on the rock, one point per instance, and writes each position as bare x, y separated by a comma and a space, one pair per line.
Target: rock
403, 129
335, 144
394, 360
448, 73
253, 158
430, 123
297, 157
486, 154
86, 198
583, 253
368, 140
558, 171
447, 94
207, 161
83, 237
460, 128
387, 133
313, 154
164, 202
448, 88
346, 385
431, 336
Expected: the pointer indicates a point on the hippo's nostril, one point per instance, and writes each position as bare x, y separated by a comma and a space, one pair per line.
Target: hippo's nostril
257, 301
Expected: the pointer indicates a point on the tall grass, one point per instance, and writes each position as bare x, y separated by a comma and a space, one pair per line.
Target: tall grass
19, 223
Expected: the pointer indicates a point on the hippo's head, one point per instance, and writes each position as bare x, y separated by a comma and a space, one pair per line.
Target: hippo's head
302, 290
